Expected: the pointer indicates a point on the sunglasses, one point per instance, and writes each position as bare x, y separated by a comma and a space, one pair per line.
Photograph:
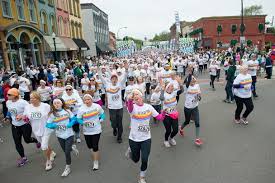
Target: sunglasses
68, 89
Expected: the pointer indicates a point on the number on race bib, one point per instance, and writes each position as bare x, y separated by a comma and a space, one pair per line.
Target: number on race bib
61, 128
144, 128
89, 124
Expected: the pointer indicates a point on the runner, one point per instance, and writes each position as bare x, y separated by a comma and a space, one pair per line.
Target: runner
242, 90
253, 66
62, 120
140, 134
45, 92
90, 116
36, 113
192, 98
19, 128
168, 96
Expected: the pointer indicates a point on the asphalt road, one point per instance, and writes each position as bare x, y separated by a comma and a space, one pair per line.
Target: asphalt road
231, 153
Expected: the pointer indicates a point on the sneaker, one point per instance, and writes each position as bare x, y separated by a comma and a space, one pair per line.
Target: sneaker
198, 142
167, 144
255, 96
78, 140
119, 140
115, 132
172, 141
141, 180
237, 121
75, 150
38, 145
22, 161
66, 172
52, 156
48, 165
128, 153
232, 102
244, 120
226, 101
181, 132
95, 167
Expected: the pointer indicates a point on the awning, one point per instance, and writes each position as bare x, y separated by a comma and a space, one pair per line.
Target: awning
82, 45
103, 47
50, 44
69, 43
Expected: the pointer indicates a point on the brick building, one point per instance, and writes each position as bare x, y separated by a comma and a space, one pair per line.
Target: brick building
225, 31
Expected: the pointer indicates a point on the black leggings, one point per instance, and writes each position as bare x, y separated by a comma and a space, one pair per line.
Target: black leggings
200, 69
170, 124
254, 81
66, 145
144, 147
116, 116
194, 113
17, 133
148, 88
92, 141
212, 78
248, 104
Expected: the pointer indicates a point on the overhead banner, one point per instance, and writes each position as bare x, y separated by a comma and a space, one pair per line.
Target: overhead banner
186, 45
125, 48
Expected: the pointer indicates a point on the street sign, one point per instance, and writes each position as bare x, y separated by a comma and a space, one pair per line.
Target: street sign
242, 40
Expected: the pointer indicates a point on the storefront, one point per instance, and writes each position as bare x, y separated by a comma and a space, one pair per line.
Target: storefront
82, 46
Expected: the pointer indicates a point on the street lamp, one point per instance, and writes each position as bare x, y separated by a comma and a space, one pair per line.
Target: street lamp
54, 43
242, 29
119, 30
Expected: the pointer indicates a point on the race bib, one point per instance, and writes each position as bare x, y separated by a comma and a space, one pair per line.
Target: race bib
89, 124
36, 115
115, 97
170, 109
144, 128
61, 128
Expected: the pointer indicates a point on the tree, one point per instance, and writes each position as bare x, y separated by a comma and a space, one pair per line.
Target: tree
163, 36
234, 28
219, 29
253, 10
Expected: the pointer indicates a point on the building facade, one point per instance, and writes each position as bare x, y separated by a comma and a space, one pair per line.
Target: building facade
225, 31
21, 39
98, 38
185, 29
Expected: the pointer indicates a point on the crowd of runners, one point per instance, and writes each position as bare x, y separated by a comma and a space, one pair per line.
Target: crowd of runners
70, 99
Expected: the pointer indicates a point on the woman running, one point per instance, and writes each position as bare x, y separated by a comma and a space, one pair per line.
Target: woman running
61, 120
45, 92
171, 123
140, 134
16, 107
90, 116
37, 114
192, 98
243, 91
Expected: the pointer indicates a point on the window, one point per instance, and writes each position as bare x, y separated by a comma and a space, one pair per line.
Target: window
32, 11
44, 24
52, 19
20, 9
60, 25
6, 8
51, 2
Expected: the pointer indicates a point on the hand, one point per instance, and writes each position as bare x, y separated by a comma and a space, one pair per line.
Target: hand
19, 117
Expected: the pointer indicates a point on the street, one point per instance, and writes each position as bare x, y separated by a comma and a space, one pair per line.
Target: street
231, 153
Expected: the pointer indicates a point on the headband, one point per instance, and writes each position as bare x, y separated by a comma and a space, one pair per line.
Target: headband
88, 95
57, 100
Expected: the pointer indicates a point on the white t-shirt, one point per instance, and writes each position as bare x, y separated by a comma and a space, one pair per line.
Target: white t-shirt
170, 102
24, 84
252, 67
16, 108
191, 96
45, 93
129, 89
85, 84
58, 91
114, 96
38, 117
90, 116
166, 75
74, 101
62, 119
96, 96
213, 70
140, 122
155, 98
245, 81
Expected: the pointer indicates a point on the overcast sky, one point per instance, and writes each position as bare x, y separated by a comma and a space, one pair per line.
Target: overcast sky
145, 18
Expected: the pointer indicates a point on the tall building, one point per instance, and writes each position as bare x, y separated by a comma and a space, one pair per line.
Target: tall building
96, 29
21, 38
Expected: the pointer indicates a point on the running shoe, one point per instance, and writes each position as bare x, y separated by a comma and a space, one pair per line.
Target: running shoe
38, 145
181, 132
66, 172
226, 101
237, 121
95, 167
166, 144
245, 121
75, 150
52, 156
22, 161
48, 165
141, 180
78, 140
172, 141
128, 153
198, 142
115, 132
119, 140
